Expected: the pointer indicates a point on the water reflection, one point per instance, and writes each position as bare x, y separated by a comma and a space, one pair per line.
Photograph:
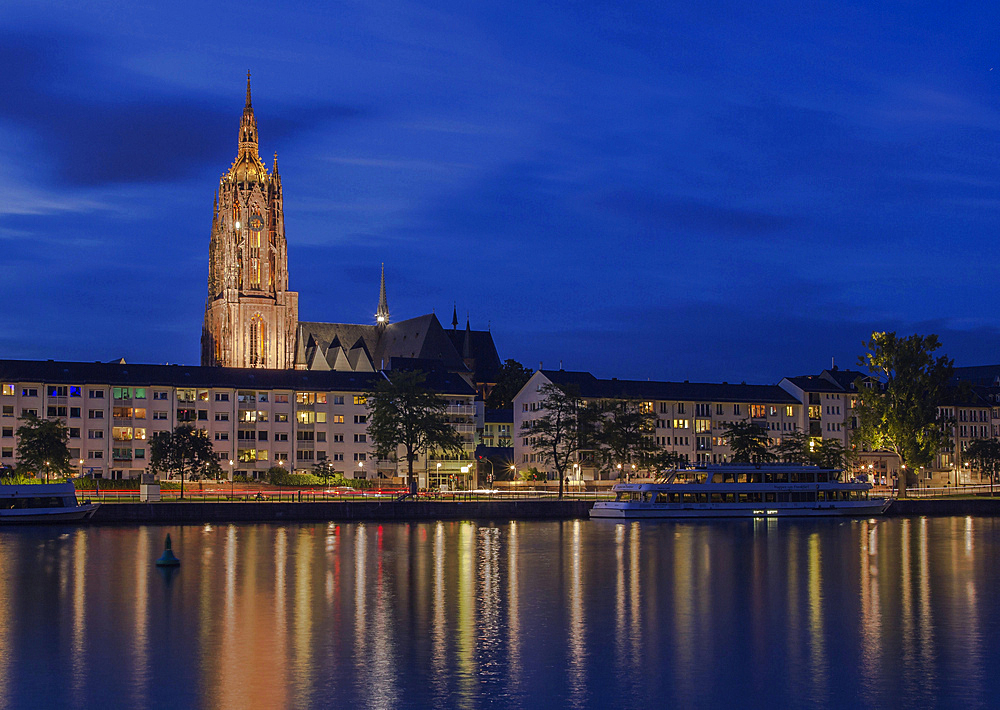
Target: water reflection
573, 614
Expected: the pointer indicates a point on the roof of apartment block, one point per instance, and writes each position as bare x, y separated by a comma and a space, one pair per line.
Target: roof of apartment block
979, 374
814, 383
121, 373
590, 386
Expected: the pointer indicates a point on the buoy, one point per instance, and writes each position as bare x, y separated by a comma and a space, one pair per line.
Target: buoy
168, 559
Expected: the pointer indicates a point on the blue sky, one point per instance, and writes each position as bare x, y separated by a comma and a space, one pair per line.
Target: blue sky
705, 191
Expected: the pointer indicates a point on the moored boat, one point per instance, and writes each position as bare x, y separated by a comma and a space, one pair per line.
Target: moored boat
43, 503
743, 490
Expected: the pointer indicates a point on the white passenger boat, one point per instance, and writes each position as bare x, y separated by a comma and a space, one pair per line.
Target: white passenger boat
42, 503
745, 491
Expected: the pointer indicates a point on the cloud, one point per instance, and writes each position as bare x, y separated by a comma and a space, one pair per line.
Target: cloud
682, 213
118, 132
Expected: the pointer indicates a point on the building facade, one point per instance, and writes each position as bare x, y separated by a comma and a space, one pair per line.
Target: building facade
690, 417
254, 418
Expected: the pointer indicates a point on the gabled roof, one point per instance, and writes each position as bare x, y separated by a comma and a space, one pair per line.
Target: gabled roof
591, 387
420, 337
814, 383
845, 378
483, 350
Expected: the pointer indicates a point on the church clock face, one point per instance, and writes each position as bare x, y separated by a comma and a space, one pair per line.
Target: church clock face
256, 223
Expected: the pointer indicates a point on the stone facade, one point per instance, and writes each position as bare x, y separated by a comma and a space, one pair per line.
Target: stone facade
251, 318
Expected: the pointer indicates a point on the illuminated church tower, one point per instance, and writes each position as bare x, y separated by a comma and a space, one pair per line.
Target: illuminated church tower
251, 318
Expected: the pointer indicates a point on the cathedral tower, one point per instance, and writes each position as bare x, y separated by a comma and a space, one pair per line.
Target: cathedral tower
251, 318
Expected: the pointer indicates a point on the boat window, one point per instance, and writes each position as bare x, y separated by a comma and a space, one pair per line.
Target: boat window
647, 497
768, 497
716, 497
40, 502
784, 497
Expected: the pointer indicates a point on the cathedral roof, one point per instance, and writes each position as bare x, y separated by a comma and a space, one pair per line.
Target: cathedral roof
420, 337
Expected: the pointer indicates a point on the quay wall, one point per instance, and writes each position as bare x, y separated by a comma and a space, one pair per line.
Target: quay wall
267, 512
273, 512
945, 506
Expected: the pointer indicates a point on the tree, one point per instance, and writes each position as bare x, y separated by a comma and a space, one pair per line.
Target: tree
902, 414
798, 447
564, 429
624, 434
664, 460
403, 412
325, 470
42, 446
984, 455
184, 450
748, 443
511, 378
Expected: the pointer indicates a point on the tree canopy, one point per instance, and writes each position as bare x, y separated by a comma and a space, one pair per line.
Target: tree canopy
403, 412
748, 443
511, 378
902, 416
185, 450
984, 455
798, 447
624, 435
563, 428
41, 446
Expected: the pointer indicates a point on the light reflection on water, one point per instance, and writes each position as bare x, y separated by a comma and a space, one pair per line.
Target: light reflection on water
828, 614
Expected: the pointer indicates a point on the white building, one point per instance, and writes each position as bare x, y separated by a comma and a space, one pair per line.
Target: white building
256, 418
690, 416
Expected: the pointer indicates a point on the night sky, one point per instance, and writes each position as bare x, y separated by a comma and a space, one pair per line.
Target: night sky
695, 190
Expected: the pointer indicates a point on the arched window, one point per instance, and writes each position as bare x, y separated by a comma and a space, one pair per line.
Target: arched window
258, 342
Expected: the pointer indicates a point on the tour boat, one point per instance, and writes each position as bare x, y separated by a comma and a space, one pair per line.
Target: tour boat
743, 490
43, 503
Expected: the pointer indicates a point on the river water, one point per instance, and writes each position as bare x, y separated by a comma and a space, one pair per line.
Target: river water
578, 614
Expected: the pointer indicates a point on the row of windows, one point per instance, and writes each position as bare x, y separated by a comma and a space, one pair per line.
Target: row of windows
185, 395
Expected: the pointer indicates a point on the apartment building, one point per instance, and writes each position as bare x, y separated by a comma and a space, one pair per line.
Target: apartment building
690, 416
255, 418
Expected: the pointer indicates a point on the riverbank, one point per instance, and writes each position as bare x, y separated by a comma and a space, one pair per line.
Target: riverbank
348, 511
981, 506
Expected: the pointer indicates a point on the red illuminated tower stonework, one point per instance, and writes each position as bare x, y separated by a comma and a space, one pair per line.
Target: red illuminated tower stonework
251, 318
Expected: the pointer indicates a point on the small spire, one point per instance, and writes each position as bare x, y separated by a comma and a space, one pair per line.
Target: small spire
382, 314
276, 163
248, 104
454, 318
467, 344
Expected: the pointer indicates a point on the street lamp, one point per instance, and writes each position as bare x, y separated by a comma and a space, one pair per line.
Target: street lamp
619, 472
232, 478
437, 473
576, 473
81, 468
46, 471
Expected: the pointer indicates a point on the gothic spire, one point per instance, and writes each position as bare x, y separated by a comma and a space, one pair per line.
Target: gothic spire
454, 318
248, 125
382, 314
